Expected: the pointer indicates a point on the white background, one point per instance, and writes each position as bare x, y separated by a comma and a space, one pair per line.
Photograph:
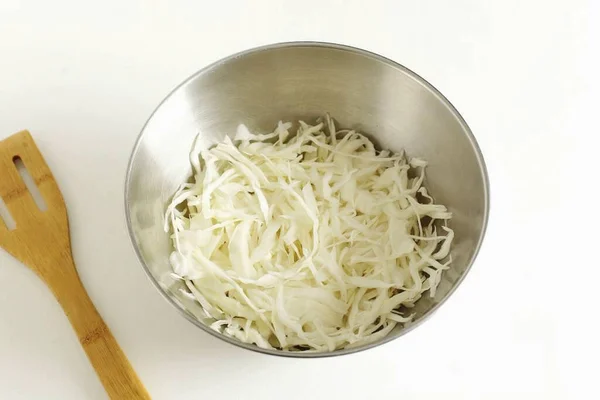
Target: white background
84, 76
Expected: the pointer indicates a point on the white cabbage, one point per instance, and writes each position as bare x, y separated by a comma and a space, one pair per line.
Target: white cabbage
309, 242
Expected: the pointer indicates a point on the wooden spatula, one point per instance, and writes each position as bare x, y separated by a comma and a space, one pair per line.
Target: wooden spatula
41, 241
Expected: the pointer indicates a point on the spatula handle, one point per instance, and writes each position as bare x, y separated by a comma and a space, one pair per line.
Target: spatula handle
109, 361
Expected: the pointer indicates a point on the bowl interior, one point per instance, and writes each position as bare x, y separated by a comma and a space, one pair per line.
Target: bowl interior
361, 90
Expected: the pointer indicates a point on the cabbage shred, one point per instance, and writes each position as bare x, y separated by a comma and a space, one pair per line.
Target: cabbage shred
307, 242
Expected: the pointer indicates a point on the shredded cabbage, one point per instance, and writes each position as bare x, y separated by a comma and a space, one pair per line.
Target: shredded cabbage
306, 242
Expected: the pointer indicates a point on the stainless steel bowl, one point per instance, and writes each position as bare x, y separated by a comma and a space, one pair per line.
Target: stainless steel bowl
292, 81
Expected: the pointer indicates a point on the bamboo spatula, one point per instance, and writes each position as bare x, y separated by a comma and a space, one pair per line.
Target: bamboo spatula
41, 241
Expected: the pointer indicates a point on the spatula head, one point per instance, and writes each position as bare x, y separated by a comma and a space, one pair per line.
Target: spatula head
40, 236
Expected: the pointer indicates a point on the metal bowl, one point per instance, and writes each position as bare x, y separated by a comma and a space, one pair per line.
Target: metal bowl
291, 81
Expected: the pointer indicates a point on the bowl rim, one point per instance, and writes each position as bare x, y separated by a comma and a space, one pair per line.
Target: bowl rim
339, 47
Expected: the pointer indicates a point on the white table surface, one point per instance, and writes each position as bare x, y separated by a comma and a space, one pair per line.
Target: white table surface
84, 76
